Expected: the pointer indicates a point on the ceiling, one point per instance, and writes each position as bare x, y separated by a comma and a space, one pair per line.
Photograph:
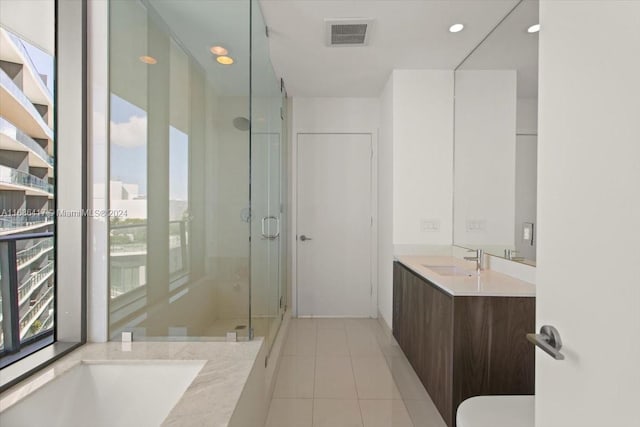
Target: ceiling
510, 46
201, 24
405, 35
32, 20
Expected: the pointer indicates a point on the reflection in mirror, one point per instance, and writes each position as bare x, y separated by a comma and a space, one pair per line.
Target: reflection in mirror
496, 98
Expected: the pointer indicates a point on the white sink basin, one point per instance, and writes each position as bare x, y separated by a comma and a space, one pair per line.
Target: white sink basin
448, 270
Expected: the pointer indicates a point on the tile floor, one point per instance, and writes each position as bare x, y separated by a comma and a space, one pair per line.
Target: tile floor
347, 373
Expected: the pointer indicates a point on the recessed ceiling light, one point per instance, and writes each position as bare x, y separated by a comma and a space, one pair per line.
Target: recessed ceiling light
148, 59
225, 60
456, 28
218, 50
534, 28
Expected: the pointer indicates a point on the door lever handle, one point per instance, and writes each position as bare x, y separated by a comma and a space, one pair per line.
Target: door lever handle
304, 238
548, 340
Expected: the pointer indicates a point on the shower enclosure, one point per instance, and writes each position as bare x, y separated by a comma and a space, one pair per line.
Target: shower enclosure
197, 179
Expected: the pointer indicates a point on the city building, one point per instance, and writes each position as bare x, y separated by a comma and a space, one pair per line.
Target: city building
27, 184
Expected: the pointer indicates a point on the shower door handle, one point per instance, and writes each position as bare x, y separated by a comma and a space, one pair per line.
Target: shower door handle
264, 232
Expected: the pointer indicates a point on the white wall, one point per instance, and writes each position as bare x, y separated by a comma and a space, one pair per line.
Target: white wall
526, 174
330, 115
588, 211
526, 193
415, 169
422, 155
325, 115
527, 116
385, 203
33, 20
485, 144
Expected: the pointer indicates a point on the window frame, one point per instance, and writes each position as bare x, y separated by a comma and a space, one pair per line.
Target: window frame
70, 194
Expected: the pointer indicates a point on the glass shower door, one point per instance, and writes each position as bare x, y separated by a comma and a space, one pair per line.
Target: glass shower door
265, 234
266, 179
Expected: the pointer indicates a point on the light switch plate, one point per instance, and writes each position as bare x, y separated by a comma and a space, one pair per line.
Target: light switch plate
429, 225
476, 225
527, 232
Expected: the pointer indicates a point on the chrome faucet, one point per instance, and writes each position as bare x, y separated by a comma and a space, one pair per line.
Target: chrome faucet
510, 254
477, 258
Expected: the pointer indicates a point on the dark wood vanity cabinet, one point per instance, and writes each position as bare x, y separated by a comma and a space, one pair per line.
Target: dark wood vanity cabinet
463, 346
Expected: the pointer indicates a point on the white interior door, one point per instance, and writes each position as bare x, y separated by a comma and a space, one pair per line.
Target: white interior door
334, 225
588, 285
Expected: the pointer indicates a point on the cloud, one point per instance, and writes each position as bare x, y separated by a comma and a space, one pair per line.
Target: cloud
132, 133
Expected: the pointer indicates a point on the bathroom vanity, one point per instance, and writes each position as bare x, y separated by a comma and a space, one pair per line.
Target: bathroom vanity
463, 333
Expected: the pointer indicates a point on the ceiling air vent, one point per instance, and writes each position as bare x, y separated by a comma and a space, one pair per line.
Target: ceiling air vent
348, 31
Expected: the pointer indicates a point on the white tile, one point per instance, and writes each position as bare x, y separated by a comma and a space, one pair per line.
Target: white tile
334, 378
330, 323
385, 413
362, 342
303, 322
332, 342
406, 379
336, 413
373, 379
295, 377
301, 340
424, 413
369, 324
391, 350
290, 413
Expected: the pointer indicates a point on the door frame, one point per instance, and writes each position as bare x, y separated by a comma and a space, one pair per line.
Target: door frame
293, 197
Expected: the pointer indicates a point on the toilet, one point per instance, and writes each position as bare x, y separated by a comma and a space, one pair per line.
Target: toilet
496, 411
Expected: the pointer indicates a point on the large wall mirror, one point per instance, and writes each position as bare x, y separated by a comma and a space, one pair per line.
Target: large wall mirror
495, 155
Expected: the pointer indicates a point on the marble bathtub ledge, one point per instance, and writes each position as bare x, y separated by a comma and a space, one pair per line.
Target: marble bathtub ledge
209, 400
489, 283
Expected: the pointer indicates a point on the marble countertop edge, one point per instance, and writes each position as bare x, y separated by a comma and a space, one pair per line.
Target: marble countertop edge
488, 284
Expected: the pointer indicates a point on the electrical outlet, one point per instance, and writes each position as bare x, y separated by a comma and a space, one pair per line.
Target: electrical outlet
476, 225
429, 225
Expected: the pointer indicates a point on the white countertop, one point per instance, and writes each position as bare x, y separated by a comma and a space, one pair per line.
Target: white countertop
210, 399
488, 283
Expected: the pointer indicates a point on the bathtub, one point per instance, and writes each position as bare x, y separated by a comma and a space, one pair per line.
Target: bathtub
109, 394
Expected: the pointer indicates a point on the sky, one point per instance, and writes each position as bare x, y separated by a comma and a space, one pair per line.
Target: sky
129, 150
42, 61
128, 138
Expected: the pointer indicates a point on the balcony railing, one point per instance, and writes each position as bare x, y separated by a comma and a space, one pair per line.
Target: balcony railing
13, 222
9, 129
32, 322
128, 251
26, 256
44, 302
34, 282
13, 88
13, 176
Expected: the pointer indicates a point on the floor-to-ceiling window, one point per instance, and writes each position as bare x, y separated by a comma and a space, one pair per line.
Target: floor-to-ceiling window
27, 174
42, 183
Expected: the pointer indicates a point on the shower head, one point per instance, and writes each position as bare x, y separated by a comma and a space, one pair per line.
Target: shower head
241, 123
